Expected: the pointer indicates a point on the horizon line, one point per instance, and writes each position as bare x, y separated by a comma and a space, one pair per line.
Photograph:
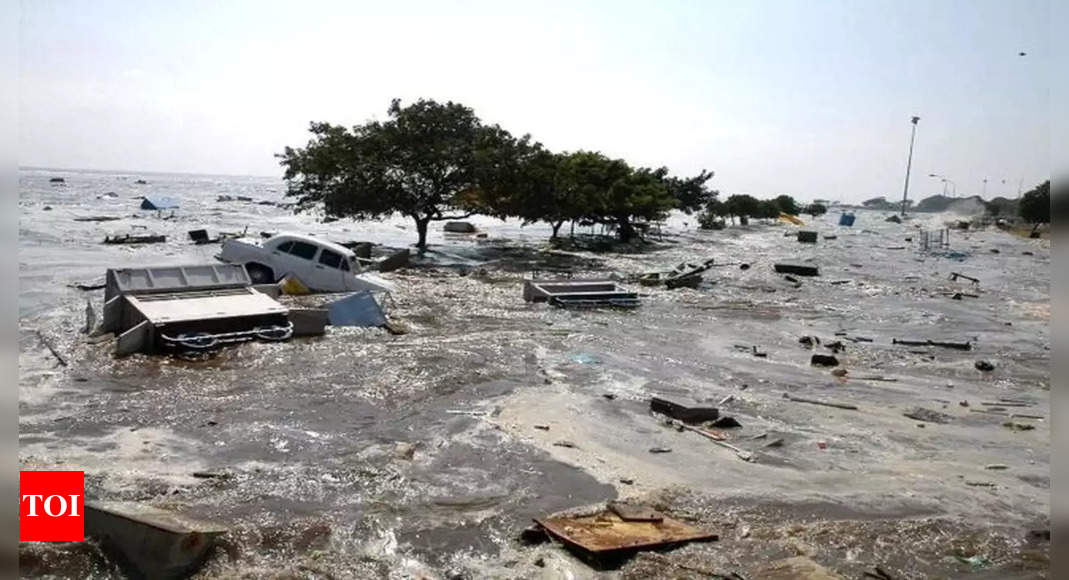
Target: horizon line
134, 172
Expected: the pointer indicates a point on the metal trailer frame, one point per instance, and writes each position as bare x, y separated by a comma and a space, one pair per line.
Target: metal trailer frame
579, 293
188, 308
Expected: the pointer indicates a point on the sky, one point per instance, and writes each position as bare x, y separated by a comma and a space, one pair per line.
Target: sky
811, 99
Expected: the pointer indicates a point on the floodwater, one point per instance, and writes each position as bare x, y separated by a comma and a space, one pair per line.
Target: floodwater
363, 454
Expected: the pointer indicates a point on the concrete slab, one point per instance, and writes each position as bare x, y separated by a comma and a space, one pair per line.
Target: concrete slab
149, 542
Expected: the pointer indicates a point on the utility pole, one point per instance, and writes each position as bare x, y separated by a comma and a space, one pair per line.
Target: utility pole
984, 195
909, 163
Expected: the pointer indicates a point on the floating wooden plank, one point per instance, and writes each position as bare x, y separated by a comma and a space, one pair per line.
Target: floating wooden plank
606, 532
797, 269
682, 412
848, 407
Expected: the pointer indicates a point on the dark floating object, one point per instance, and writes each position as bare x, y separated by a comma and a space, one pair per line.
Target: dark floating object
683, 413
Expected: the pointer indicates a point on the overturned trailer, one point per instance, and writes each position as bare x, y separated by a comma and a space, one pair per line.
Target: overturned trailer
188, 308
579, 293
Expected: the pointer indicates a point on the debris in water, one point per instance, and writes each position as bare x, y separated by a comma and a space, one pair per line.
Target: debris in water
155, 202
798, 269
683, 413
824, 360
726, 422
606, 532
922, 414
635, 513
134, 239
795, 399
954, 345
983, 365
569, 293
151, 542
59, 358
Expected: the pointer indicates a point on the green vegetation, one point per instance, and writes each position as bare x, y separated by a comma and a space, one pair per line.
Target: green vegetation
816, 209
432, 161
744, 207
1034, 207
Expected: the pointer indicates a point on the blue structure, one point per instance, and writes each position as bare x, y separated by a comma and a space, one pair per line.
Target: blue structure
846, 219
360, 309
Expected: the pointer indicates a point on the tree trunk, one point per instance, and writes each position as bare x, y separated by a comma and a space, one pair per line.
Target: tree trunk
624, 229
421, 229
556, 228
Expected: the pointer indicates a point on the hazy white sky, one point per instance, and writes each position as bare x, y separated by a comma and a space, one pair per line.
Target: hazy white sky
807, 98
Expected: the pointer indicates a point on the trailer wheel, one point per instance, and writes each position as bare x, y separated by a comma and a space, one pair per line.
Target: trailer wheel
260, 274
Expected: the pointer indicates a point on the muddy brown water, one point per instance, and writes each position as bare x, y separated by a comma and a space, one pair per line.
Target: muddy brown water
362, 454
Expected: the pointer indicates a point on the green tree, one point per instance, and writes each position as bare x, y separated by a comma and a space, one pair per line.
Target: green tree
520, 178
420, 162
1034, 207
691, 193
711, 217
741, 205
768, 209
787, 205
613, 193
815, 209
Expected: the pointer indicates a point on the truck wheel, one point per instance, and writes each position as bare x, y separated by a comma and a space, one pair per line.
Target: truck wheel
260, 274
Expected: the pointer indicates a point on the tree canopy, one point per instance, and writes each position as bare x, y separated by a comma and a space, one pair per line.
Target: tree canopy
432, 161
1034, 207
742, 206
419, 162
816, 209
787, 205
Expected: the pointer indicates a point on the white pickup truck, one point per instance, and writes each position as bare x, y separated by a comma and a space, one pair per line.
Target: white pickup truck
320, 265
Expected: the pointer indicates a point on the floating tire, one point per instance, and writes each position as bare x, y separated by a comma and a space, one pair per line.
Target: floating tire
197, 340
274, 333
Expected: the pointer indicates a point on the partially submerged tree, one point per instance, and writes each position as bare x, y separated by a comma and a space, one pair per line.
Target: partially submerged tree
420, 162
768, 209
787, 204
816, 209
742, 206
1034, 207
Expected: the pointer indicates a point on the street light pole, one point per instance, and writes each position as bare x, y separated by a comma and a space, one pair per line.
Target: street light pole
943, 179
909, 163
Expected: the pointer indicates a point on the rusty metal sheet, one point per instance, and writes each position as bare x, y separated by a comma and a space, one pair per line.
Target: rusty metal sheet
606, 532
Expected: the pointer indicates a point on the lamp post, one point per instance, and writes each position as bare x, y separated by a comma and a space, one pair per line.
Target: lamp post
909, 163
941, 178
984, 191
946, 180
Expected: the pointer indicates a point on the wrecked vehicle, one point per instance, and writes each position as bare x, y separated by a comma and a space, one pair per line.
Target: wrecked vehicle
188, 308
320, 265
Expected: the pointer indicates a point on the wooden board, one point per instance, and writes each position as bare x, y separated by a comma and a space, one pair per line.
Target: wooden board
606, 532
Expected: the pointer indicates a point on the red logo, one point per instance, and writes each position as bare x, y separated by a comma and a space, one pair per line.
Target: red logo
51, 506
